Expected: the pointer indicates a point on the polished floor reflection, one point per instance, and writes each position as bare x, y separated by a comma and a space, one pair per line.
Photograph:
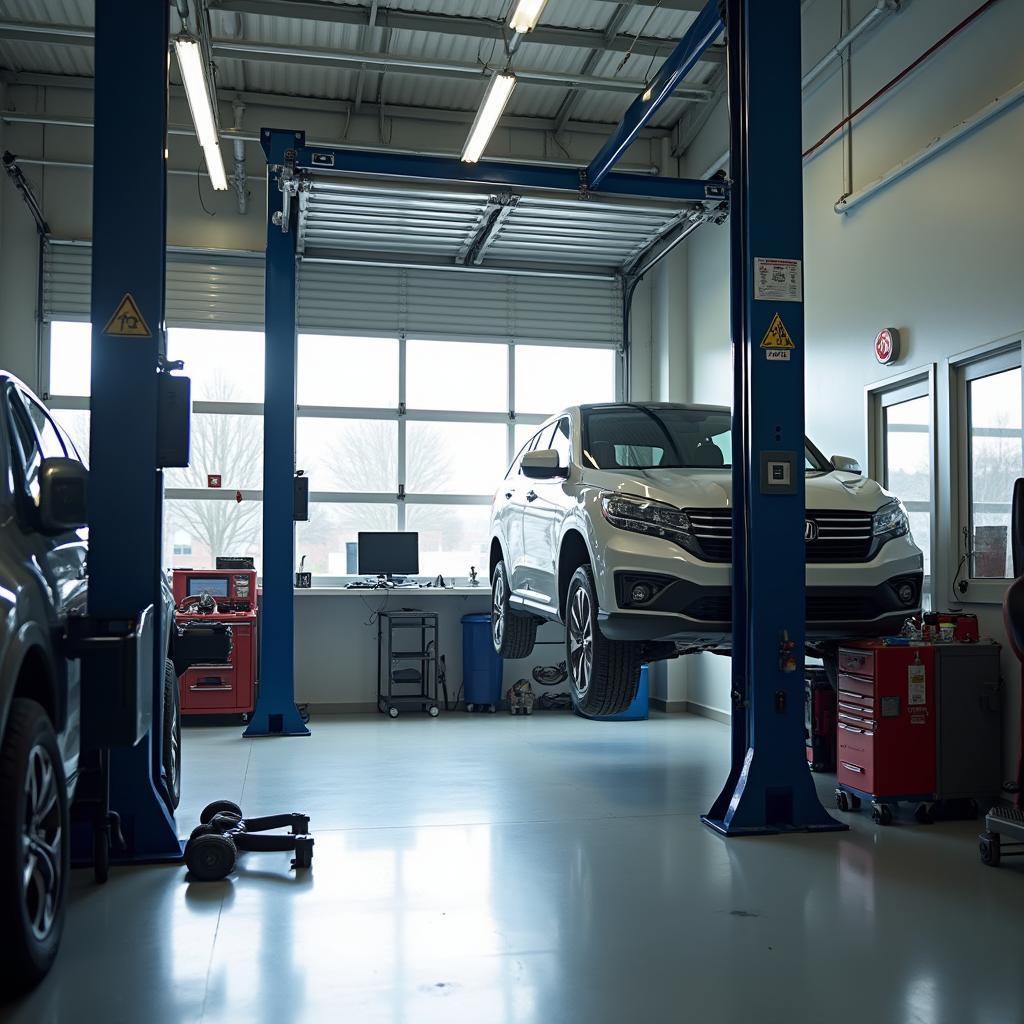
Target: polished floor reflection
491, 869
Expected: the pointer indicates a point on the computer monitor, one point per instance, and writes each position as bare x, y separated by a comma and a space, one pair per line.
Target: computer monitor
389, 554
215, 586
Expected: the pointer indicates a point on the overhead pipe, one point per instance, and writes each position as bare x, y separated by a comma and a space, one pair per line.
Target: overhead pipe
936, 146
241, 192
879, 11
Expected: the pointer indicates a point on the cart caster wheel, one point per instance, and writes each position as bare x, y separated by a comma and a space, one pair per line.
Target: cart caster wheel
491, 708
988, 847
854, 802
433, 711
842, 800
881, 814
924, 815
210, 811
210, 858
393, 712
471, 707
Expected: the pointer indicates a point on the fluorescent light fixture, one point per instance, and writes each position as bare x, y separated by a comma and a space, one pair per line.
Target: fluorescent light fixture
498, 92
193, 76
526, 15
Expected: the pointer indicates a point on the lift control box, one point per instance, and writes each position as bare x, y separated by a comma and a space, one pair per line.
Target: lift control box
206, 596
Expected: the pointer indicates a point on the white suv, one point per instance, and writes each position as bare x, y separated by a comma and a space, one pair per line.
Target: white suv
616, 520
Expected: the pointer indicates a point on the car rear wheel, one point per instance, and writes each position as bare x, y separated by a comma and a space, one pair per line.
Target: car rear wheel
605, 674
512, 633
34, 846
172, 735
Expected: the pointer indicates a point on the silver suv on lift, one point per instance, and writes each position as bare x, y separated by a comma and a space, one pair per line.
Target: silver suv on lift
43, 582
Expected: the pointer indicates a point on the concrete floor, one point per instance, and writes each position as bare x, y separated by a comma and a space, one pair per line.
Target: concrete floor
490, 869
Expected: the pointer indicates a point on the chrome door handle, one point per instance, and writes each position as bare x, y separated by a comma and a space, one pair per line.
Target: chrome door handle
532, 495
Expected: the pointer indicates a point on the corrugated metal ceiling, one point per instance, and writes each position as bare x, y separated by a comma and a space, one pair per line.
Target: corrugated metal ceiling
396, 87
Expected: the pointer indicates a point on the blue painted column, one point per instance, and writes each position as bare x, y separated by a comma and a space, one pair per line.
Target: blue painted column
125, 487
769, 788
276, 713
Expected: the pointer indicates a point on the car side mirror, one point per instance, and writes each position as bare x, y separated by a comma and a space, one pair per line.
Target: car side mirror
543, 465
844, 464
63, 485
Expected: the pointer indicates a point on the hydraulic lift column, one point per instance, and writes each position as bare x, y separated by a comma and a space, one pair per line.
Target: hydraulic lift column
769, 787
125, 486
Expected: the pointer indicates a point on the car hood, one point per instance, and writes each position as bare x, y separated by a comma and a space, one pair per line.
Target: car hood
712, 488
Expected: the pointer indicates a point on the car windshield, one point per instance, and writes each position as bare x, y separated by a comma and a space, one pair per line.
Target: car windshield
665, 437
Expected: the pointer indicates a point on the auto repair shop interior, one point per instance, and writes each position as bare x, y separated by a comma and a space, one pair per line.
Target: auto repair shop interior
513, 511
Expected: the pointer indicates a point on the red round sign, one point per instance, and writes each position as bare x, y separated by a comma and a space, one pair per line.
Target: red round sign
887, 345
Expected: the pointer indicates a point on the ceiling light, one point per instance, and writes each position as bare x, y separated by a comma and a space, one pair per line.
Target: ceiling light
498, 92
198, 91
526, 15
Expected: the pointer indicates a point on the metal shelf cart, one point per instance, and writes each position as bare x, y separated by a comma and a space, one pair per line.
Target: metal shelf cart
407, 677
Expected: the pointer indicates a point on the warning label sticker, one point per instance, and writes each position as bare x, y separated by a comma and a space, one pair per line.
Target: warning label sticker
127, 321
777, 342
917, 687
778, 280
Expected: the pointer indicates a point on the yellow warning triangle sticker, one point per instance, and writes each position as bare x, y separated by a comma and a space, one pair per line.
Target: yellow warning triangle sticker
127, 321
777, 336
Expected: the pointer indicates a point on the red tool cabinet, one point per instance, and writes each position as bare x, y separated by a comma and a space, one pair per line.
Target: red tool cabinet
227, 688
919, 723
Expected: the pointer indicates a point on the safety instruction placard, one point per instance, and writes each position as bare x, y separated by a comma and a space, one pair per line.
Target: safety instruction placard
128, 321
917, 687
777, 280
777, 342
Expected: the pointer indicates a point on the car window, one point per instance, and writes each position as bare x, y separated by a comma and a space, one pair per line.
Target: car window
561, 443
50, 440
26, 451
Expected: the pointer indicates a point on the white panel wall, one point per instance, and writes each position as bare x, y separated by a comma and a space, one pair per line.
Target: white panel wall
938, 254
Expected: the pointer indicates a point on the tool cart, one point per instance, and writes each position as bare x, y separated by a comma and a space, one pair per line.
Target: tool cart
407, 662
918, 723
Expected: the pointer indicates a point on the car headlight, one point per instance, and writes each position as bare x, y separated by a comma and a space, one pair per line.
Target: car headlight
891, 521
642, 515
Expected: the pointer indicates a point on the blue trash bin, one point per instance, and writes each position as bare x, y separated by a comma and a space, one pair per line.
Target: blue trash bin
637, 711
481, 667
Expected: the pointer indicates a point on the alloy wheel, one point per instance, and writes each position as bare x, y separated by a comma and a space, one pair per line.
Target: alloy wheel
42, 835
581, 641
498, 610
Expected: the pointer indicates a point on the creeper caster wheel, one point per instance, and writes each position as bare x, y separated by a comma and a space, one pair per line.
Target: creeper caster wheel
988, 848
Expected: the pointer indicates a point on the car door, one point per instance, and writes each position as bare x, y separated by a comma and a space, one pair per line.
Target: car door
508, 514
61, 559
544, 507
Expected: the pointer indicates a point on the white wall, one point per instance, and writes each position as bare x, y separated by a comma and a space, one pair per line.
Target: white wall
938, 254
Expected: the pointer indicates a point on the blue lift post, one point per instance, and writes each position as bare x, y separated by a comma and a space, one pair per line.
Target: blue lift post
275, 713
769, 788
125, 488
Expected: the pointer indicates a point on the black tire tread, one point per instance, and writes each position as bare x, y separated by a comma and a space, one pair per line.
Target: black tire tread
615, 676
520, 634
172, 701
219, 807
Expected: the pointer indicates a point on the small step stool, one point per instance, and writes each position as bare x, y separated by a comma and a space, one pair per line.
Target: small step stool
1004, 827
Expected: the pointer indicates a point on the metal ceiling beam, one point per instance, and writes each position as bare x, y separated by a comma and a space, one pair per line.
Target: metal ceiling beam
454, 25
331, 58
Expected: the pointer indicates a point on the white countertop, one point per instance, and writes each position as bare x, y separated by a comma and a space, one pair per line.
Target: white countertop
375, 592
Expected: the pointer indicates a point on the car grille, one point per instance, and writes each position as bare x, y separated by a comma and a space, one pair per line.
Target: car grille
853, 608
841, 536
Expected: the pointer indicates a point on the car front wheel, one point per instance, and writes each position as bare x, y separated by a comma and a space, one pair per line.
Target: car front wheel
605, 674
172, 735
512, 633
34, 846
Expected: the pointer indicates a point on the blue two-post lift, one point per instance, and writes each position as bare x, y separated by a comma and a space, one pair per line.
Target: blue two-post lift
769, 787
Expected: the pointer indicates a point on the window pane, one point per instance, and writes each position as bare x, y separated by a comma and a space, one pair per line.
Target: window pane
226, 445
549, 379
908, 466
452, 537
454, 458
462, 376
348, 455
225, 366
360, 372
328, 540
70, 358
75, 423
197, 531
994, 409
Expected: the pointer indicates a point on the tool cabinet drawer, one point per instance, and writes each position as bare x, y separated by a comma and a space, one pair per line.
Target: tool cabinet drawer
856, 662
209, 688
855, 760
857, 687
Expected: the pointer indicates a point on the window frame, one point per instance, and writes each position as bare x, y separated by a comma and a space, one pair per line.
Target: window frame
1000, 356
908, 386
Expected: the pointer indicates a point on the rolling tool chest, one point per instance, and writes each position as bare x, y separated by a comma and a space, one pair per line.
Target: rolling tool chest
918, 723
204, 596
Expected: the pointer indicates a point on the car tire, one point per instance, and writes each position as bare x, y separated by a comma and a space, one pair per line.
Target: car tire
33, 816
605, 674
171, 758
512, 633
